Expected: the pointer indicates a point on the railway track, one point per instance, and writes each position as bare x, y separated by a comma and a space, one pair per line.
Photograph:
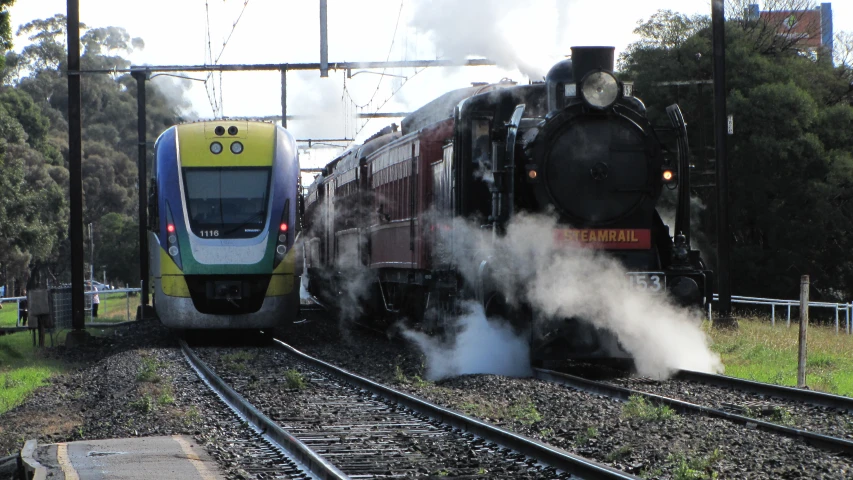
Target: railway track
809, 397
609, 389
364, 429
297, 460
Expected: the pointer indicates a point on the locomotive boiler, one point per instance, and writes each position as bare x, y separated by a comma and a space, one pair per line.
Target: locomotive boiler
579, 146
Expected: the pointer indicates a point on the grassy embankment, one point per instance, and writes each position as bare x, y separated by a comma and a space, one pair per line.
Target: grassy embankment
113, 308
760, 352
23, 368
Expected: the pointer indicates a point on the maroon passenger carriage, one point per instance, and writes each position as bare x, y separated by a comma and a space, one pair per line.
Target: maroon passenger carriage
580, 145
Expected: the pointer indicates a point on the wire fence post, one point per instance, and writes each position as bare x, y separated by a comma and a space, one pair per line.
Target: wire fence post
773, 315
709, 311
18, 312
127, 299
836, 319
804, 324
788, 323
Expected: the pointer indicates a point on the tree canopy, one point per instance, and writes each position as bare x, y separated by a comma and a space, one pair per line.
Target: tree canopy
791, 154
34, 150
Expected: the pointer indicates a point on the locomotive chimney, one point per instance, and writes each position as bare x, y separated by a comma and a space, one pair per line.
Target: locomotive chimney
587, 59
572, 71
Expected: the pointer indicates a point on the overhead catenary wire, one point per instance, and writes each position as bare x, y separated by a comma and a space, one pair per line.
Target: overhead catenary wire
346, 92
217, 103
214, 105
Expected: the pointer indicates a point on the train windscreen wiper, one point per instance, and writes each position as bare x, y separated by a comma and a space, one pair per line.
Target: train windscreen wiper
253, 219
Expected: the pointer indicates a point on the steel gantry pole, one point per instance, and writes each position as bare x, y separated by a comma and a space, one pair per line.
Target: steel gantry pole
141, 77
284, 96
718, 26
324, 42
75, 167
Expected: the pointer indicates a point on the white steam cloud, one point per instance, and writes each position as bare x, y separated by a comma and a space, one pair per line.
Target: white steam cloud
481, 346
492, 29
561, 282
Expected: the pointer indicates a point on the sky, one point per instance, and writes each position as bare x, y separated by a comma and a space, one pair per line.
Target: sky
526, 37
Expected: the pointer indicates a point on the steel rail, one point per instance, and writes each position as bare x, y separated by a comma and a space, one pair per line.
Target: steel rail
810, 397
546, 454
622, 393
311, 461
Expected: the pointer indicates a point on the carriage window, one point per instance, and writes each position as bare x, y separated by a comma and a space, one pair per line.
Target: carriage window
227, 202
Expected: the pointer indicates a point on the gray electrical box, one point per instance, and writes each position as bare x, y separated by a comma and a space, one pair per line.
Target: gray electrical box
38, 302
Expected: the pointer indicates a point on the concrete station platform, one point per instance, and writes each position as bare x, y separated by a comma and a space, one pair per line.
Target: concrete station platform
123, 458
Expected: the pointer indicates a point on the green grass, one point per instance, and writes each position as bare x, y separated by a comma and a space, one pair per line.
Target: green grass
640, 408
148, 371
582, 438
294, 380
760, 352
23, 369
9, 314
113, 308
522, 411
237, 361
696, 467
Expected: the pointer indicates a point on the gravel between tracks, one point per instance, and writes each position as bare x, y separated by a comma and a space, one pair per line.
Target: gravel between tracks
132, 383
585, 424
361, 434
828, 421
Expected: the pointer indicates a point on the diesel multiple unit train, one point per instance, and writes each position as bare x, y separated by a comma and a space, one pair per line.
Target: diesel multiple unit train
579, 146
223, 213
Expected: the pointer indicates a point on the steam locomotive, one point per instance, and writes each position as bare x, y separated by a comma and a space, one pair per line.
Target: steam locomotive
579, 146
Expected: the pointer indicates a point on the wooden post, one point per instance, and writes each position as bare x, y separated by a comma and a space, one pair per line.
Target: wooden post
804, 325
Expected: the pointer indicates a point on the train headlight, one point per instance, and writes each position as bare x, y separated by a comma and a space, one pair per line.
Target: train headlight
283, 235
600, 89
685, 290
172, 238
236, 148
216, 148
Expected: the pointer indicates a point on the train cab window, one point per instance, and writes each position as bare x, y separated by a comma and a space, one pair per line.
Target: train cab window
227, 202
481, 143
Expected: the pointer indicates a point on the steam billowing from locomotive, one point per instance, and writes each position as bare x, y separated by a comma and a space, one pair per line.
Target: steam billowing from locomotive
536, 203
561, 282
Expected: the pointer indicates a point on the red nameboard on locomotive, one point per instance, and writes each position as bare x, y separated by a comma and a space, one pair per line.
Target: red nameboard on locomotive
605, 238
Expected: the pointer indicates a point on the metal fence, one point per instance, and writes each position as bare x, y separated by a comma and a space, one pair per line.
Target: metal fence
60, 304
846, 308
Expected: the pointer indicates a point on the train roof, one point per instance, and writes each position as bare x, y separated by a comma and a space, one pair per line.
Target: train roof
443, 107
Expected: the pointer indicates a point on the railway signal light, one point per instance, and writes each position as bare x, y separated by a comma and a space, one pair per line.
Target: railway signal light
170, 228
668, 176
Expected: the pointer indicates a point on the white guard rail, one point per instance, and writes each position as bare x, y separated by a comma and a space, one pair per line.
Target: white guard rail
847, 308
